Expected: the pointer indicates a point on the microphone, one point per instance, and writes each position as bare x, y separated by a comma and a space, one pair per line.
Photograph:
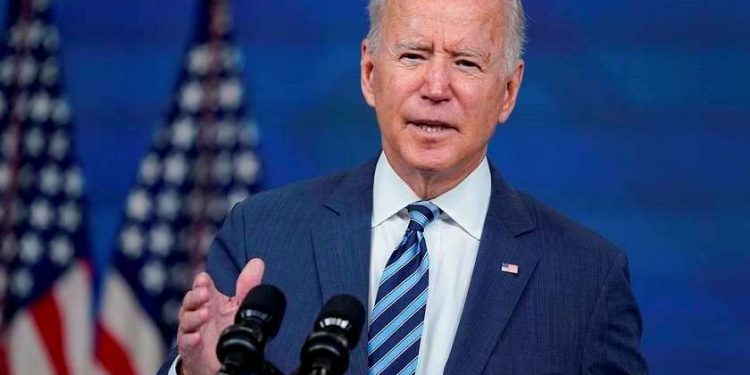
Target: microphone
335, 333
241, 346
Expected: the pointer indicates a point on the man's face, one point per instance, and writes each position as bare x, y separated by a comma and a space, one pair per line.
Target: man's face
439, 83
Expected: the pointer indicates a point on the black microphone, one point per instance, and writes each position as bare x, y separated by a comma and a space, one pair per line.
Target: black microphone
335, 333
241, 346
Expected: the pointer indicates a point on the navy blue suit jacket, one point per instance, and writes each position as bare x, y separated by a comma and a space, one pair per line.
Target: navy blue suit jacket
569, 310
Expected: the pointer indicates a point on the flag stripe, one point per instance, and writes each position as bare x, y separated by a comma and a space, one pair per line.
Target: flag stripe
201, 162
28, 356
73, 293
111, 355
129, 328
4, 366
46, 315
46, 305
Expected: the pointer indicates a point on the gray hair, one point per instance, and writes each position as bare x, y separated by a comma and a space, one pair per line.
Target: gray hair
516, 30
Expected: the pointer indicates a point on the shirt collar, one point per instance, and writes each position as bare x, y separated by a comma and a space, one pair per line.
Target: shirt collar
466, 204
390, 194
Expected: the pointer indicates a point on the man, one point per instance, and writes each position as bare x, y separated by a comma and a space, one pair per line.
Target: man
486, 280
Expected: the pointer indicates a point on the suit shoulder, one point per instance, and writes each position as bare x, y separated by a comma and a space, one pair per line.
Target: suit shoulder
295, 196
563, 233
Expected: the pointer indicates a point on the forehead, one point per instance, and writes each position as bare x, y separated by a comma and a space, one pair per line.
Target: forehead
453, 23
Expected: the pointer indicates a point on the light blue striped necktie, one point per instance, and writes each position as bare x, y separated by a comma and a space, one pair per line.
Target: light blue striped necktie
397, 319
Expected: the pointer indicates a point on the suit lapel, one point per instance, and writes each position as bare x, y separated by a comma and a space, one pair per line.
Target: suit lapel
493, 294
341, 241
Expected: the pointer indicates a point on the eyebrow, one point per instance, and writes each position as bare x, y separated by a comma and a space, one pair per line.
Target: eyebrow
417, 46
471, 53
408, 45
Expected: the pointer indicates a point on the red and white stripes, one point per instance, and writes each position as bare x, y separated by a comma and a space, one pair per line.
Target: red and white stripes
53, 336
128, 341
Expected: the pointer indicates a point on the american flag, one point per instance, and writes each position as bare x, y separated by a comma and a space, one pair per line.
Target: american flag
45, 278
200, 164
509, 268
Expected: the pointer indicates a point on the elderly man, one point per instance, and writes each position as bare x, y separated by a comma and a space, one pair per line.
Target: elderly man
461, 273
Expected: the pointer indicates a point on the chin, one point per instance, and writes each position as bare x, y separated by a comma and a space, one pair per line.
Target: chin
431, 161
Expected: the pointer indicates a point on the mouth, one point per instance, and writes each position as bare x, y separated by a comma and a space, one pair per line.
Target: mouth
431, 126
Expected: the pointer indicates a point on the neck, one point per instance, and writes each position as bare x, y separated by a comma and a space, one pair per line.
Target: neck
430, 184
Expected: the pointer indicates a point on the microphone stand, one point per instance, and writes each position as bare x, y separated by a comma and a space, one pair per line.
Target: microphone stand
269, 369
315, 371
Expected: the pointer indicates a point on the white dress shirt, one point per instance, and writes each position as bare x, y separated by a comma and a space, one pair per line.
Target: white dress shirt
452, 245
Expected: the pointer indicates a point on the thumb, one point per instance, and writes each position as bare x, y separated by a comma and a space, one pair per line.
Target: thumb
249, 278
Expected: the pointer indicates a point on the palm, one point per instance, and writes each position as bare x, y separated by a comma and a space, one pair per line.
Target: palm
224, 309
206, 312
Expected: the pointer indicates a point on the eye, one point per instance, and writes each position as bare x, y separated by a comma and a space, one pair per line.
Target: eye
468, 64
411, 57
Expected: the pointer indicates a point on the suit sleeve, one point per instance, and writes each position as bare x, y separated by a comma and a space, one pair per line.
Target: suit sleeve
226, 258
614, 333
227, 255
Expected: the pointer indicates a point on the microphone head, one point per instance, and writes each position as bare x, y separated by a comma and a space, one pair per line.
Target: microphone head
265, 302
344, 312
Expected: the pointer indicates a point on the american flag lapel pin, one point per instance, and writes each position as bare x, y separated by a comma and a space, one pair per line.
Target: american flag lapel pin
509, 268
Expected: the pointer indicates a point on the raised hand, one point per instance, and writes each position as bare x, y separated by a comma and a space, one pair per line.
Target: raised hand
205, 312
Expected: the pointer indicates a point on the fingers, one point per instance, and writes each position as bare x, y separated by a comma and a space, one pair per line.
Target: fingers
192, 321
195, 299
193, 317
196, 335
188, 342
203, 280
250, 277
194, 312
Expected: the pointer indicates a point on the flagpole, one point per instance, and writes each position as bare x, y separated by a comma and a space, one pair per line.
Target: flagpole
216, 29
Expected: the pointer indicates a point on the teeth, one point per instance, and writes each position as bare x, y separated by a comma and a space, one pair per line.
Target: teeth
430, 128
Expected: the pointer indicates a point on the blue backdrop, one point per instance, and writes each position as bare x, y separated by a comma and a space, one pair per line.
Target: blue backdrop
633, 119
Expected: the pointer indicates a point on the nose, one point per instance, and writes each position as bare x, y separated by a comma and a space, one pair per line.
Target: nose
436, 86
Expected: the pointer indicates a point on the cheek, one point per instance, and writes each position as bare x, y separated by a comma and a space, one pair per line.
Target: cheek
399, 81
401, 88
395, 97
481, 111
482, 105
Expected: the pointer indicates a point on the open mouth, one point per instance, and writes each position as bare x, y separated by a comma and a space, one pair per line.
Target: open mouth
432, 126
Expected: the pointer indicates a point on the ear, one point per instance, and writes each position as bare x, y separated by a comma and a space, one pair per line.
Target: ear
367, 70
511, 92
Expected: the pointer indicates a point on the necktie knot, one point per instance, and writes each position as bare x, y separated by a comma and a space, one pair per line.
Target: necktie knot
421, 214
